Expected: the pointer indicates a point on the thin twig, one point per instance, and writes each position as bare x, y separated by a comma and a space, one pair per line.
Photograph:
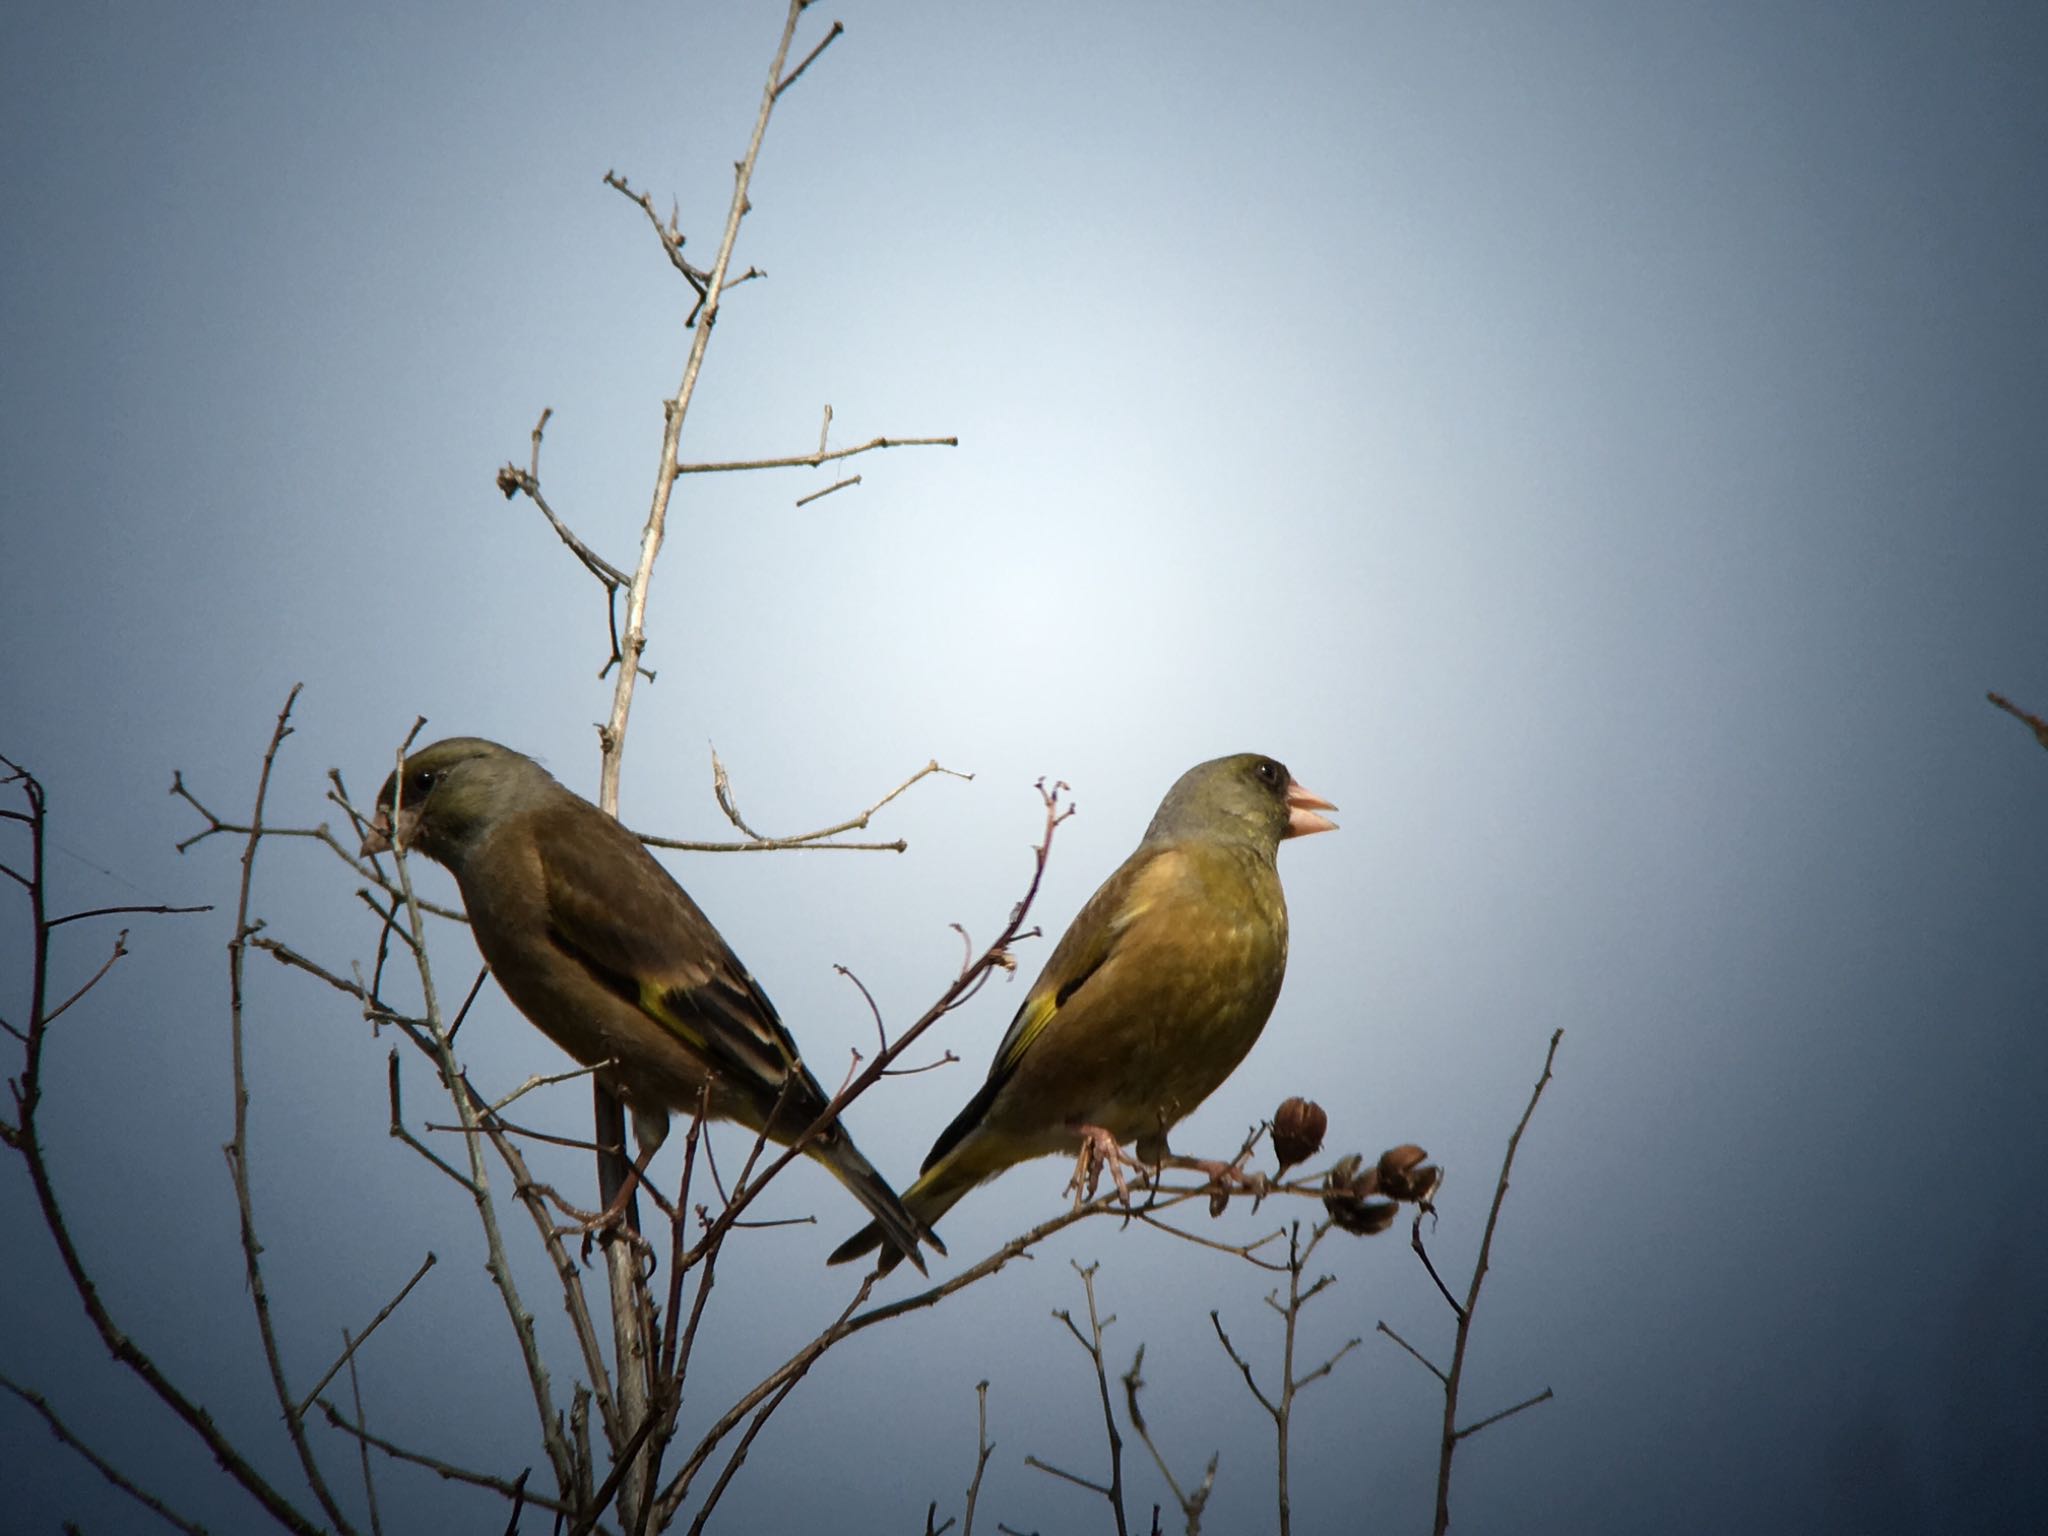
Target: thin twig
786, 1379
1494, 1418
1424, 1360
1281, 1406
2032, 722
237, 1149
355, 1343
721, 790
632, 1321
1091, 1341
836, 485
1191, 1504
355, 1388
1451, 1434
79, 917
805, 63
983, 1449
99, 1463
813, 460
24, 1138
447, 1471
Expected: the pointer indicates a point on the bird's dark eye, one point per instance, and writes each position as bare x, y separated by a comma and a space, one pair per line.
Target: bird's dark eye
420, 783
1271, 771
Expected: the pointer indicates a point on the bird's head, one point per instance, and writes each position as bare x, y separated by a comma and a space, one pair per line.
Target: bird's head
1248, 796
448, 795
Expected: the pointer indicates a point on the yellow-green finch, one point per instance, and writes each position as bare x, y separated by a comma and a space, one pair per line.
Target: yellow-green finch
609, 958
1157, 990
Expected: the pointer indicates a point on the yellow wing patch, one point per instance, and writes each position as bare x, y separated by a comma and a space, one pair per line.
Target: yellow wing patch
1153, 883
1031, 1020
652, 1004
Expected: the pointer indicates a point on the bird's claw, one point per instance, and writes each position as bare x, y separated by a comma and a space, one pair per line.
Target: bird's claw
1100, 1152
606, 1223
594, 1226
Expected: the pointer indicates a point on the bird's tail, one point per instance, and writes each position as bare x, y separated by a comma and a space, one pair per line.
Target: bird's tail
937, 1190
894, 1218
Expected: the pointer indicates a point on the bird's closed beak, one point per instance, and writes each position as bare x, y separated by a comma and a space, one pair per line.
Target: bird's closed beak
1302, 805
380, 837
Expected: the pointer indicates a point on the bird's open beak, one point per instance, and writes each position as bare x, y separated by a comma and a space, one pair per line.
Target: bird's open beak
1302, 806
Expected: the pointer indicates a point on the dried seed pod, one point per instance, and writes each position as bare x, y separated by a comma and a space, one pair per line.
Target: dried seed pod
1298, 1126
1364, 1198
1350, 1198
1405, 1174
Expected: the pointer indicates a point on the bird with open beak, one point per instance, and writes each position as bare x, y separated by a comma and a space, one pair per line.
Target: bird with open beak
609, 958
1157, 990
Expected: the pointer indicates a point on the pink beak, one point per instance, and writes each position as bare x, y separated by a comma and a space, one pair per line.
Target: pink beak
1302, 805
378, 838
382, 835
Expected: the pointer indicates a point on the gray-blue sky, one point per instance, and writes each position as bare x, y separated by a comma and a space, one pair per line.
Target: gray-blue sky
1598, 445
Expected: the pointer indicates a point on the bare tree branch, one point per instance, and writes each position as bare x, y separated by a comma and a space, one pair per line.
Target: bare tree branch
1191, 1504
24, 1138
814, 460
1451, 1434
1091, 1342
2032, 722
355, 1343
99, 1463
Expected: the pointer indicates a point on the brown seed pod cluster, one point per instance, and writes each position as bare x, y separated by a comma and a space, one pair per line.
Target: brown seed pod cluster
1364, 1200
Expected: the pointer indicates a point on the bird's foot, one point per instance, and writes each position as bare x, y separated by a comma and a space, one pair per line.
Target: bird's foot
1099, 1153
609, 1220
615, 1217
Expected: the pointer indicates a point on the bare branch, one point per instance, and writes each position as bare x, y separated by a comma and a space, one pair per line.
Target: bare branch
836, 485
823, 43
355, 1390
79, 917
237, 1149
356, 1343
983, 1449
448, 1471
671, 237
23, 1137
1494, 1418
1191, 1504
120, 948
1091, 1342
1424, 1360
99, 1463
1451, 1434
721, 790
1243, 1365
2032, 722
814, 460
632, 1322
1075, 1478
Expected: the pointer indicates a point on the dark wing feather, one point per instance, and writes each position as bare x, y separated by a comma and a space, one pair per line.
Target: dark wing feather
613, 906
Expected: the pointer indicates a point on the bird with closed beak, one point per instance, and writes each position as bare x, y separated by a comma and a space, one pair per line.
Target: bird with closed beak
609, 958
1159, 987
